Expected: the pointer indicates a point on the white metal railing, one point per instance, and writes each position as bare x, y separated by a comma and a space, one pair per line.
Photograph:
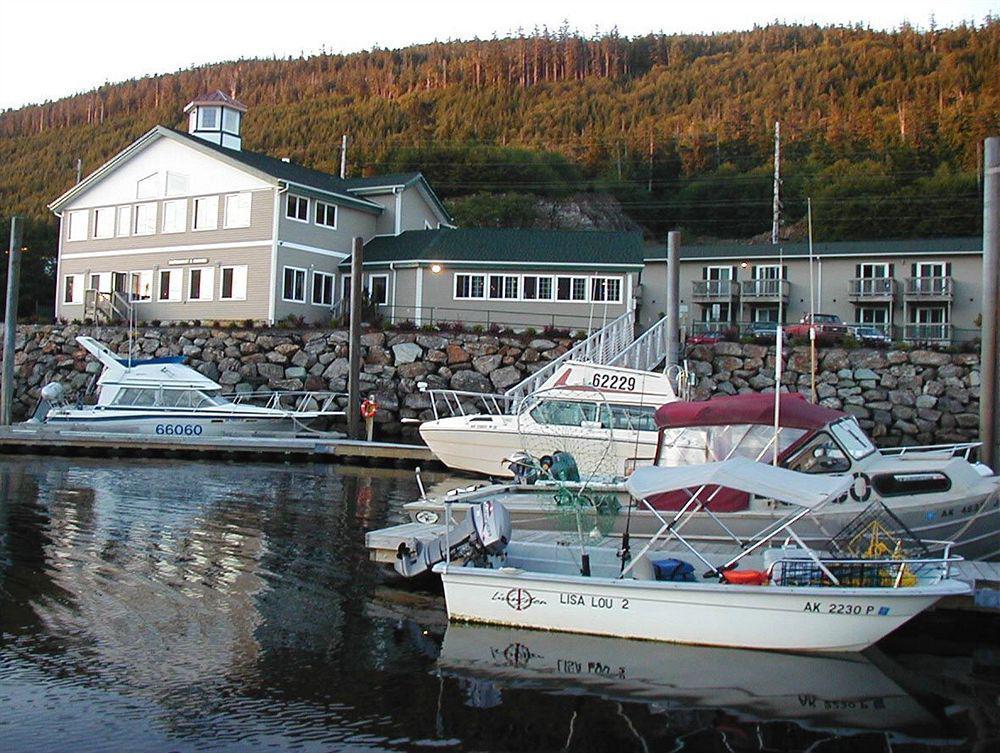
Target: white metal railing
291, 401
963, 449
599, 348
448, 403
929, 287
647, 351
106, 307
872, 287
715, 288
930, 333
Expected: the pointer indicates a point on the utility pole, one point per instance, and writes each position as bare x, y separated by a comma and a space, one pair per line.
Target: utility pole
79, 169
812, 303
776, 210
10, 323
343, 156
354, 335
673, 297
989, 397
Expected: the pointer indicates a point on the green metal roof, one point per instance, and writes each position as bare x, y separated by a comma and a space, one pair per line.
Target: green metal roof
838, 248
379, 181
509, 246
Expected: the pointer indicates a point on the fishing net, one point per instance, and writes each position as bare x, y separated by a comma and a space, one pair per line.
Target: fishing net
568, 434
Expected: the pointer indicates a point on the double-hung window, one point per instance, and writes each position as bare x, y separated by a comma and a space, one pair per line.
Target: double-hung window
234, 283
104, 222
536, 288
141, 285
175, 216
469, 286
124, 221
378, 289
504, 286
237, 210
206, 213
297, 208
326, 215
145, 219
294, 285
322, 289
78, 225
606, 289
200, 282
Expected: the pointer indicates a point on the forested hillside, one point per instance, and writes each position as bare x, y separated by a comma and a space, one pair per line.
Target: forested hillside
881, 129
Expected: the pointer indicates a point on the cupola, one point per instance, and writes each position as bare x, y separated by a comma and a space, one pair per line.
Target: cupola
216, 117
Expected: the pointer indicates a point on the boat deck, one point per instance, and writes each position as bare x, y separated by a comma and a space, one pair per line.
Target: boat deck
45, 440
983, 577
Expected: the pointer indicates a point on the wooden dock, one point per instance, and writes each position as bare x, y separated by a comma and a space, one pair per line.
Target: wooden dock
329, 447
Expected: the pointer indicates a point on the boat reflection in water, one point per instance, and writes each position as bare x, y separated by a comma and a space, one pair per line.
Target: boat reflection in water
838, 692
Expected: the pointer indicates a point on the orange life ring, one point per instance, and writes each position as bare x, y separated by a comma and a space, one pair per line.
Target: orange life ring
369, 408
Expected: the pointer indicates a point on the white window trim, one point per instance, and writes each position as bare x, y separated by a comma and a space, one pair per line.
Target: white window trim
86, 224
305, 286
119, 212
152, 286
288, 198
194, 214
246, 281
159, 285
606, 278
135, 217
312, 293
371, 285
470, 275
709, 268
226, 224
163, 220
587, 281
537, 298
114, 222
77, 297
503, 286
336, 214
201, 285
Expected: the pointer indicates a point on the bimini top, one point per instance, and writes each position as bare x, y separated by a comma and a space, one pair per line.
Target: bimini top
794, 412
741, 474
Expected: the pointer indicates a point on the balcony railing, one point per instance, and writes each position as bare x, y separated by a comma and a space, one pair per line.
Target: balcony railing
869, 288
699, 328
941, 288
765, 290
714, 290
927, 333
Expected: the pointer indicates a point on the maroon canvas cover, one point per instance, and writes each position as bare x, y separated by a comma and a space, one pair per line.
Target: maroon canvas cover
727, 500
794, 412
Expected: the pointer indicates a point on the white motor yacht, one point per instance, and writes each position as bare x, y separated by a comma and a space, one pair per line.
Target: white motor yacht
583, 404
163, 396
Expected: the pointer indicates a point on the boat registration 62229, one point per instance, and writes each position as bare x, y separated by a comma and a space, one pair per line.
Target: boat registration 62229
621, 382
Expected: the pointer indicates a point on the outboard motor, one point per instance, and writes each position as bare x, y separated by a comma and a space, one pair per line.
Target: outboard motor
524, 467
484, 531
52, 394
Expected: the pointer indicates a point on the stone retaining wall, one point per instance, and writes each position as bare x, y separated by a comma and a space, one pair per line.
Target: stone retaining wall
900, 397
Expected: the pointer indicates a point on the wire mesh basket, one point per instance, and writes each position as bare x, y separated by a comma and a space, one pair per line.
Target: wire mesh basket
877, 533
854, 574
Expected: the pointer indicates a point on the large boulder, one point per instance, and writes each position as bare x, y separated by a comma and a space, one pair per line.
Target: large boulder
506, 377
486, 364
470, 381
929, 358
406, 352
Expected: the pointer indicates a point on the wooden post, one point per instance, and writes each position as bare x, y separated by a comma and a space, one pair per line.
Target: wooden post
354, 355
10, 323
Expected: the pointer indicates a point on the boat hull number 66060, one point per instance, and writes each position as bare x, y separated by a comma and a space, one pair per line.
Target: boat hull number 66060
186, 430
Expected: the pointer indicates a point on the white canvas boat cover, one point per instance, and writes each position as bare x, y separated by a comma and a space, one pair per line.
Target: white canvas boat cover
743, 475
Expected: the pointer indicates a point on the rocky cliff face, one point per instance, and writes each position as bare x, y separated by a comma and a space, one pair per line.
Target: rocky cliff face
899, 397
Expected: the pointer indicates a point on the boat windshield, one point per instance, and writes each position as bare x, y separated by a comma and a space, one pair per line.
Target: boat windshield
821, 454
852, 438
150, 397
575, 413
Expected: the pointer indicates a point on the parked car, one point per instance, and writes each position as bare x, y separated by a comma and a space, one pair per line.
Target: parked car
826, 325
706, 338
765, 332
870, 335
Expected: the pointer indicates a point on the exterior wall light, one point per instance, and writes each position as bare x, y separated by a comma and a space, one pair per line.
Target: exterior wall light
436, 268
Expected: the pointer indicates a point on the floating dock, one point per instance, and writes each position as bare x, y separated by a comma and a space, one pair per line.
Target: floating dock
330, 447
982, 577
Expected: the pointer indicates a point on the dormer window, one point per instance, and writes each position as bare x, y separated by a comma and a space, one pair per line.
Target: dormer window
231, 121
208, 118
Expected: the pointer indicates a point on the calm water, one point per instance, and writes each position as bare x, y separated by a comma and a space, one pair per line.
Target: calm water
168, 605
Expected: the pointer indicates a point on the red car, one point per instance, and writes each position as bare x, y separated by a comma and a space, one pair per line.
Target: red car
826, 325
706, 338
